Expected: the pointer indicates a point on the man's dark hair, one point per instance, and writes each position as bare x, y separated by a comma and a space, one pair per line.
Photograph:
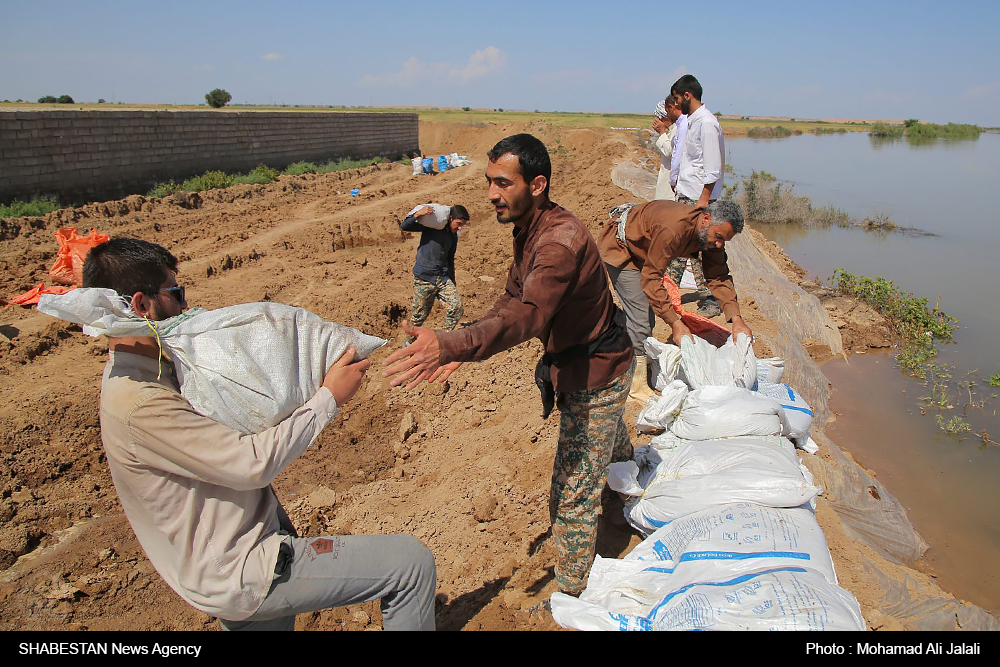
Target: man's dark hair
724, 210
687, 84
531, 154
128, 266
458, 211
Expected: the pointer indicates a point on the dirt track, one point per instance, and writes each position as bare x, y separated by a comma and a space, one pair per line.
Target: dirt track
464, 466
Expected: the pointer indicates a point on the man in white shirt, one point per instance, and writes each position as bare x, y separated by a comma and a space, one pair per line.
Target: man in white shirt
680, 121
198, 494
700, 170
664, 127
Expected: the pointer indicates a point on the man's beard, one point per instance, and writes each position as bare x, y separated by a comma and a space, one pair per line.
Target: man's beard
702, 234
523, 205
685, 107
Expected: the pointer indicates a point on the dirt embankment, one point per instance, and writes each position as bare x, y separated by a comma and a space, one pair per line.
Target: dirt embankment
463, 465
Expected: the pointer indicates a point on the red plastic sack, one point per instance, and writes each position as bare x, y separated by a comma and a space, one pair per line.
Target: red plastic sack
73, 249
700, 326
30, 298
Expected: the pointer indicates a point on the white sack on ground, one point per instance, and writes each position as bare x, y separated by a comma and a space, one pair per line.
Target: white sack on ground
666, 485
738, 538
668, 441
733, 364
247, 366
798, 414
436, 220
418, 167
771, 369
632, 595
721, 412
660, 411
664, 360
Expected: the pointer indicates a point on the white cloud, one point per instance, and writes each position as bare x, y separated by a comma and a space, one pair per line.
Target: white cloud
416, 72
981, 91
272, 57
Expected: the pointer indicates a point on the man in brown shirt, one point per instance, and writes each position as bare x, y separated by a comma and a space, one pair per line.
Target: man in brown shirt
638, 252
557, 291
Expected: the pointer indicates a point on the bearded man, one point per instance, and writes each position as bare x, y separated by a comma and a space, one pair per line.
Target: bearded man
557, 291
637, 247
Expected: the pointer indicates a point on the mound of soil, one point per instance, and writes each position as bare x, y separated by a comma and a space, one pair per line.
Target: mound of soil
464, 465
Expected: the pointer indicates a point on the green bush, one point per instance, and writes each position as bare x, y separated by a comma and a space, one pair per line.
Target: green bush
261, 174
47, 99
207, 181
37, 206
298, 168
65, 99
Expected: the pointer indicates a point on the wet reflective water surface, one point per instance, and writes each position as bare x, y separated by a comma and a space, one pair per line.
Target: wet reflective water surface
948, 484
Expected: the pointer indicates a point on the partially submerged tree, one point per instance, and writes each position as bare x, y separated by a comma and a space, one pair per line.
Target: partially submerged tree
218, 98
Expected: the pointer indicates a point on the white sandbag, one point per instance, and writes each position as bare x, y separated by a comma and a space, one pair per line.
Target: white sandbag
631, 595
798, 414
722, 412
771, 369
247, 366
660, 411
418, 166
738, 538
664, 360
436, 220
733, 364
666, 485
668, 441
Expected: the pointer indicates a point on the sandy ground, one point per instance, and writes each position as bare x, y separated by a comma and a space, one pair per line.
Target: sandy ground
465, 465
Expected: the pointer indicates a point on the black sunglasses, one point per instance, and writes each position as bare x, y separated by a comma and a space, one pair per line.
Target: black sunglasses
176, 292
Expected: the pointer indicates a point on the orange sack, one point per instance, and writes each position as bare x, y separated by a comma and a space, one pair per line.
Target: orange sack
73, 249
30, 298
699, 325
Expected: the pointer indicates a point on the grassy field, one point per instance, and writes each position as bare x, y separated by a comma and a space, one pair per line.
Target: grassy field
732, 125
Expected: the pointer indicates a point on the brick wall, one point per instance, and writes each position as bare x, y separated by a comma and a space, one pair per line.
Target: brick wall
96, 155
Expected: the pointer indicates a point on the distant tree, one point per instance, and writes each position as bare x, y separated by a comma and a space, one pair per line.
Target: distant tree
65, 99
218, 98
47, 99
466, 108
911, 122
718, 114
100, 101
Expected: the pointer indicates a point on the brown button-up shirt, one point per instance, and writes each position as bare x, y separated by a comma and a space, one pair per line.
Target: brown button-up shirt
656, 233
557, 291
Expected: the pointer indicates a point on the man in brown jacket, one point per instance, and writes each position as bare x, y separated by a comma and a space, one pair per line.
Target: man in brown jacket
557, 291
638, 246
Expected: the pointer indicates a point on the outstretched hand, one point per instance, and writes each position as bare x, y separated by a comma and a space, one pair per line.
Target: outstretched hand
419, 361
343, 379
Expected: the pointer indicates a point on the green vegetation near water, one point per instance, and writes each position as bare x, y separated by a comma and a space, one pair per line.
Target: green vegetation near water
915, 131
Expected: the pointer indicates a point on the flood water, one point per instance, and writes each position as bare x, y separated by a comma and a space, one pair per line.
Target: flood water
948, 484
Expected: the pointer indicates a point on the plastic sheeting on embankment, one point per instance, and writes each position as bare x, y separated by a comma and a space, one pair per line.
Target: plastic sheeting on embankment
876, 519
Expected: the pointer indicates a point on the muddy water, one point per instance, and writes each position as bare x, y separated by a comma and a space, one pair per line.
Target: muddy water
948, 484
949, 487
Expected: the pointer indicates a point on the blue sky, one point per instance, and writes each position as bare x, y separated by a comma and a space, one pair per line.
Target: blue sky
866, 60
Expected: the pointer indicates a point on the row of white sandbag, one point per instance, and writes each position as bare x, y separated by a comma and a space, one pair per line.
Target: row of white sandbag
709, 392
740, 566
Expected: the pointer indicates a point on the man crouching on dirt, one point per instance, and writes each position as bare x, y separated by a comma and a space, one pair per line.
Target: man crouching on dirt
198, 494
557, 291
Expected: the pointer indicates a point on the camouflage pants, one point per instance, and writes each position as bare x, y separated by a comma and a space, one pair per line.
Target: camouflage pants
424, 293
592, 435
675, 270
